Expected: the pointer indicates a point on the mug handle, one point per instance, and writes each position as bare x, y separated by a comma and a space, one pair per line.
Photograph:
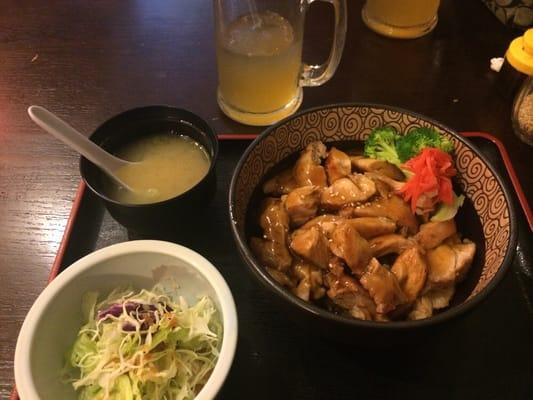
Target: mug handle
316, 75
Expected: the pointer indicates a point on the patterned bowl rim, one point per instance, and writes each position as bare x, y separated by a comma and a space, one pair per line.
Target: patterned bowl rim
260, 273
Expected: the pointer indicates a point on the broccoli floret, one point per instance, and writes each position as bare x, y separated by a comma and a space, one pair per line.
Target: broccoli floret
381, 144
415, 141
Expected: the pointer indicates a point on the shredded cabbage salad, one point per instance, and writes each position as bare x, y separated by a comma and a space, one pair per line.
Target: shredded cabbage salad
140, 345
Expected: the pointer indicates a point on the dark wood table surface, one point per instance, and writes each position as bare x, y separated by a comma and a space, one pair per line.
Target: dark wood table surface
87, 61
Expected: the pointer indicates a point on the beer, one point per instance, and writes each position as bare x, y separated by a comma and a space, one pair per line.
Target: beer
401, 18
259, 60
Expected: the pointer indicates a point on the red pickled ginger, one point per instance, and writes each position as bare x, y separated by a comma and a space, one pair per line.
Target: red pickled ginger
433, 170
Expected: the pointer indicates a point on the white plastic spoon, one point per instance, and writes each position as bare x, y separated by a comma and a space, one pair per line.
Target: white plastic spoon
77, 141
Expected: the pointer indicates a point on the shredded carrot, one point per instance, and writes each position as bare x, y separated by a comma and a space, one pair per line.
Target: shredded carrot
433, 169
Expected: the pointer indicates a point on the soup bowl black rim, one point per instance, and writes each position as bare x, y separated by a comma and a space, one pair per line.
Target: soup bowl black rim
313, 310
209, 132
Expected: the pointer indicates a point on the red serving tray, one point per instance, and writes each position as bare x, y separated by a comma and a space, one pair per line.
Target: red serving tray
510, 170
82, 187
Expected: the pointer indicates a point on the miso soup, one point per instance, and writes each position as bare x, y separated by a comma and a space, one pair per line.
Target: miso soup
167, 166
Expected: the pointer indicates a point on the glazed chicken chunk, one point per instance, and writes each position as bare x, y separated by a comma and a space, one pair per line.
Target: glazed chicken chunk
465, 253
392, 207
411, 271
272, 249
336, 266
302, 204
432, 234
387, 244
348, 294
383, 287
369, 227
281, 277
378, 177
435, 299
448, 264
271, 253
347, 244
336, 230
421, 309
440, 297
364, 164
312, 245
310, 281
338, 165
280, 184
308, 169
274, 220
326, 222
349, 190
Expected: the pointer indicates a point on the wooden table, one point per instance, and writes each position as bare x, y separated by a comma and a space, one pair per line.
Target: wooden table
87, 61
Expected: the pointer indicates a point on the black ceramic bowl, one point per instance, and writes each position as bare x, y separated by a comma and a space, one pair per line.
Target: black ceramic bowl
487, 218
165, 216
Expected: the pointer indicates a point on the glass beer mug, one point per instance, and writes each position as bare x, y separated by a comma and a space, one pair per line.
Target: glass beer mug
259, 57
402, 19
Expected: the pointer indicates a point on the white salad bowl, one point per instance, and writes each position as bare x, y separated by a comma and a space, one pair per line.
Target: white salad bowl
51, 326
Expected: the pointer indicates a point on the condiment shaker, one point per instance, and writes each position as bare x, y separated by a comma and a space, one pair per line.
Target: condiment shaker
520, 56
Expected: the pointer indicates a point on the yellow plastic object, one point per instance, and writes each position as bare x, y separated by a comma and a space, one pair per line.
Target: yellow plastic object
528, 41
520, 53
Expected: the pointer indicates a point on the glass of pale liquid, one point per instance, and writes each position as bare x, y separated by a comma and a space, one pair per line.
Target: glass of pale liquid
402, 19
259, 57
